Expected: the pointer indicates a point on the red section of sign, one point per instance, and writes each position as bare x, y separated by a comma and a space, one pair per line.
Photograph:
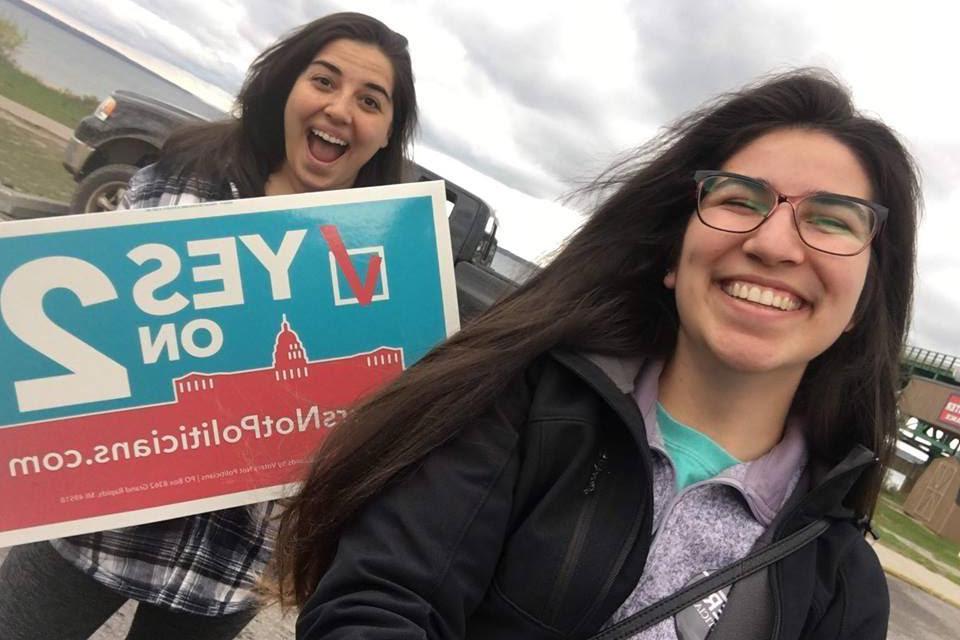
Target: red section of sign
363, 292
223, 433
951, 411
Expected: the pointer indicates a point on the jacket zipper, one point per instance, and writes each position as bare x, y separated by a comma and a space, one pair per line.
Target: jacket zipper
575, 548
671, 503
775, 588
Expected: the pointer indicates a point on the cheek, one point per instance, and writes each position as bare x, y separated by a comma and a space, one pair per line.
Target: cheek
376, 132
847, 282
703, 250
289, 116
299, 103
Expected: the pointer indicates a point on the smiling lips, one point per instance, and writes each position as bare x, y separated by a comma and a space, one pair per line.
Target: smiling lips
325, 147
762, 295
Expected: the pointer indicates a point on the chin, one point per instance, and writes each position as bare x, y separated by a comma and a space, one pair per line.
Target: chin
749, 359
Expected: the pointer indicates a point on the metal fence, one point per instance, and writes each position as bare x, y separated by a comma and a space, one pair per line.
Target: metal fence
934, 363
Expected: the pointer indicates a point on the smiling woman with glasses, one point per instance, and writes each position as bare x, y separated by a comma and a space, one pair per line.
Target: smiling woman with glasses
677, 428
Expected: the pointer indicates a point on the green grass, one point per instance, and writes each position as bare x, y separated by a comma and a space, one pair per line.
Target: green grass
904, 535
31, 163
62, 106
895, 497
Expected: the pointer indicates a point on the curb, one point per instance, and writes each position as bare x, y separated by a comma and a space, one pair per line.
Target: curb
23, 206
30, 117
913, 582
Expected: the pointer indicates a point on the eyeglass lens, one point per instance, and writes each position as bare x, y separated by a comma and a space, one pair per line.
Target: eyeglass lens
830, 223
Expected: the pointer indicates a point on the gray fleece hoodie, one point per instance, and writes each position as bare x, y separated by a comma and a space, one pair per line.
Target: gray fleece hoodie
708, 524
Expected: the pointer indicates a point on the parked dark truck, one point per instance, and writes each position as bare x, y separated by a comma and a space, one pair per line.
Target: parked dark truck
127, 130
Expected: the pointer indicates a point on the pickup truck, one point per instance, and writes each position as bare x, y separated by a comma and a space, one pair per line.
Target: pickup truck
126, 131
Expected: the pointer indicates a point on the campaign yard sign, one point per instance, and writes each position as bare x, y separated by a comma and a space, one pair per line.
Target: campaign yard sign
159, 363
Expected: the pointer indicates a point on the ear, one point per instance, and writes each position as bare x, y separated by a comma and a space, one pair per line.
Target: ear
670, 280
386, 140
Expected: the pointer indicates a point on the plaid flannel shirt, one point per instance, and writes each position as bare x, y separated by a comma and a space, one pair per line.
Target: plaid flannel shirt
206, 564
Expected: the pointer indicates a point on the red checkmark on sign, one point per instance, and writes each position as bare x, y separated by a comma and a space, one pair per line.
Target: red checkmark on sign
362, 291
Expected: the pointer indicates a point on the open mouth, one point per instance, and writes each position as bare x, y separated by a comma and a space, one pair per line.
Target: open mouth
325, 147
763, 296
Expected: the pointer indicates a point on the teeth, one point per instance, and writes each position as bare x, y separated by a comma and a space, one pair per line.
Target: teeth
329, 138
766, 297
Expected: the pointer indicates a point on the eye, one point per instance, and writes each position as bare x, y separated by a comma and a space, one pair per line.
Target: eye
735, 195
324, 82
835, 216
831, 225
370, 103
751, 206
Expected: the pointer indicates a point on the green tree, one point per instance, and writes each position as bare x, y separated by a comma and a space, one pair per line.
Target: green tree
10, 39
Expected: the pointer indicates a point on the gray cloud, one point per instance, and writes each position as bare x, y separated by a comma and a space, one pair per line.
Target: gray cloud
692, 51
516, 62
688, 53
554, 115
550, 114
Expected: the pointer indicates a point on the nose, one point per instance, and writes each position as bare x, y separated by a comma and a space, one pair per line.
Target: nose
339, 108
777, 240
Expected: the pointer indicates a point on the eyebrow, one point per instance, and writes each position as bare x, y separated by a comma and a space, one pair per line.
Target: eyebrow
815, 192
336, 70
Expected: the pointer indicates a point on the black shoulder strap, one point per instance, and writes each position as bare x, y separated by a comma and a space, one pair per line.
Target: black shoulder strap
671, 605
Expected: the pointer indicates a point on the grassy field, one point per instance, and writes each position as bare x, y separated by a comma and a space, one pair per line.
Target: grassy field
30, 163
911, 539
62, 106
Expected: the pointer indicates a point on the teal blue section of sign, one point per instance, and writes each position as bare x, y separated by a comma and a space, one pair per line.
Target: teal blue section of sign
411, 318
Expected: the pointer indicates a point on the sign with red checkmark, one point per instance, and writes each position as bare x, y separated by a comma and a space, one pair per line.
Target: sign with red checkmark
155, 364
340, 261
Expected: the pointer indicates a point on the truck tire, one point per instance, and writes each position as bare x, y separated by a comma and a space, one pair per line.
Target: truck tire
102, 189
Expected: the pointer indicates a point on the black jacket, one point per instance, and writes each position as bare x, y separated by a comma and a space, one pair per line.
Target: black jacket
535, 522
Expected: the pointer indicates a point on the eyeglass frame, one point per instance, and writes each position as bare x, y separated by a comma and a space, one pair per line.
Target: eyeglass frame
794, 201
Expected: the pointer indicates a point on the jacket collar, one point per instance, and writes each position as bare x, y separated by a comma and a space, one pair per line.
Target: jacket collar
832, 485
766, 482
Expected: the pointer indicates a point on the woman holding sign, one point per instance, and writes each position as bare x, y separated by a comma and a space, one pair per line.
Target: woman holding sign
706, 370
331, 106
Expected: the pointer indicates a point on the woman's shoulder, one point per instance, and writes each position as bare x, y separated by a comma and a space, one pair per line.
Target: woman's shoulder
151, 187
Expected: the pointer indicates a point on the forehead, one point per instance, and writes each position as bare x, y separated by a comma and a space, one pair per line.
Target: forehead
800, 161
358, 61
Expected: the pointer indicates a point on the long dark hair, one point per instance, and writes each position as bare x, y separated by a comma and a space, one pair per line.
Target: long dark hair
246, 148
604, 293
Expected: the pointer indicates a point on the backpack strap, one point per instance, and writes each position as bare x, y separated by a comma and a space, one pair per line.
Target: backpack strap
750, 564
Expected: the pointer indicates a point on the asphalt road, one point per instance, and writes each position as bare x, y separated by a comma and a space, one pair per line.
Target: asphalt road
915, 615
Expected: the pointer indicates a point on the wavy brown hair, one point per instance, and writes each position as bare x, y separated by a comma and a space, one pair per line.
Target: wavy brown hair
603, 292
249, 146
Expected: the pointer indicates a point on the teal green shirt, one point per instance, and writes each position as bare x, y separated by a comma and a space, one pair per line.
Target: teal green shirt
695, 456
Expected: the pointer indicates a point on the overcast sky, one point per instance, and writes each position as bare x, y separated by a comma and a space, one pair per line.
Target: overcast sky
521, 101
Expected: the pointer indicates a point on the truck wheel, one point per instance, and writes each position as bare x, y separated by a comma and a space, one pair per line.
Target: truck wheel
102, 189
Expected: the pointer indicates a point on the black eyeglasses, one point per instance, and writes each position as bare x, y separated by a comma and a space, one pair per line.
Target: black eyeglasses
829, 222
